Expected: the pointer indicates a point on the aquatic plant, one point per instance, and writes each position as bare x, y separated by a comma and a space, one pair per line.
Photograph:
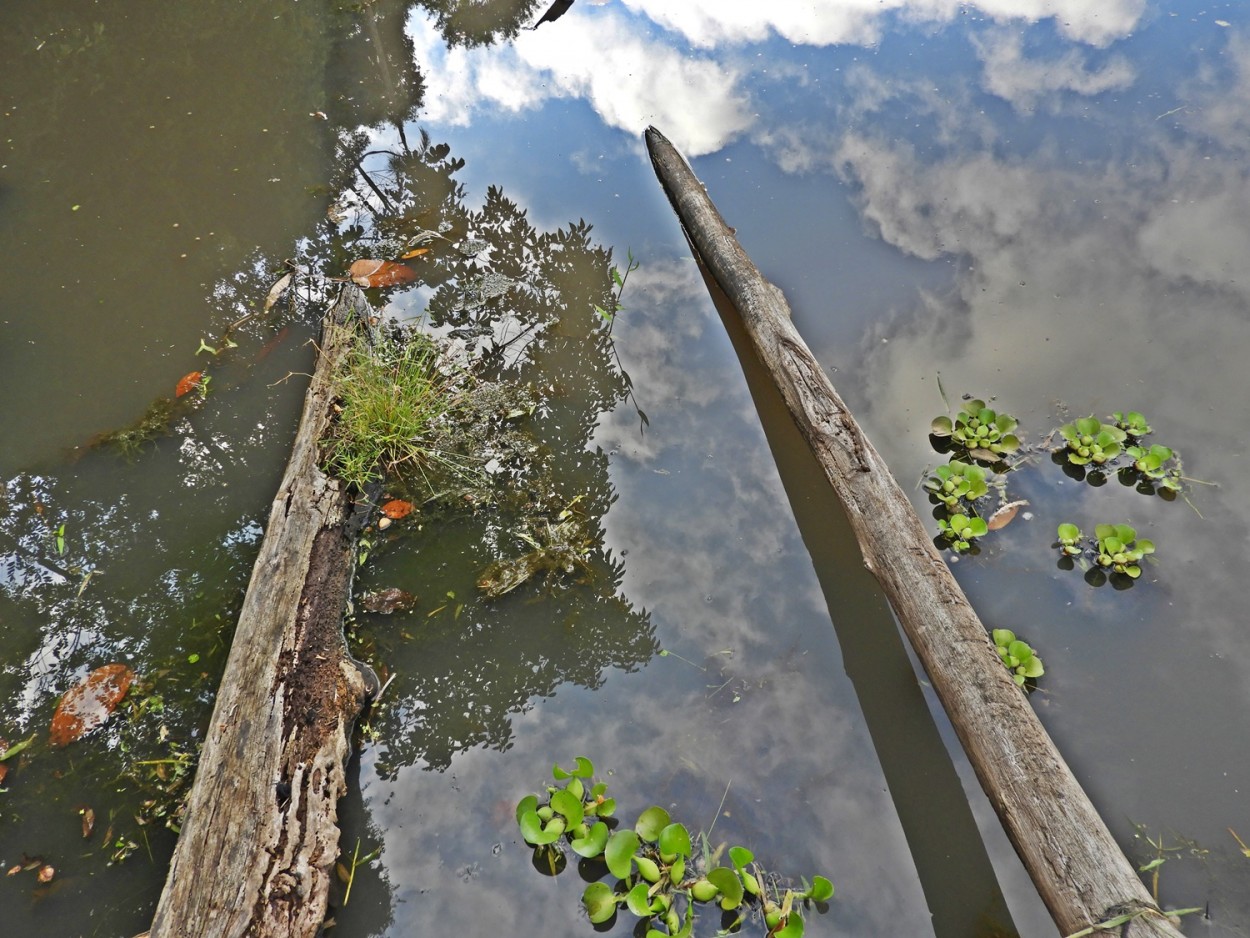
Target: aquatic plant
1159, 466
978, 431
1091, 441
129, 441
660, 877
1019, 657
1070, 538
1132, 423
960, 530
1114, 548
1119, 549
956, 481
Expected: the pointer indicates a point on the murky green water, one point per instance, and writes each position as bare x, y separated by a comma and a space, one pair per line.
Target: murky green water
1050, 210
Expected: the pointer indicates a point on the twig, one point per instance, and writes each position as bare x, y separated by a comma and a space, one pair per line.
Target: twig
376, 191
718, 807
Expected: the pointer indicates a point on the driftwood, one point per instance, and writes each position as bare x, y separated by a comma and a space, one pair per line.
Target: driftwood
257, 849
1080, 872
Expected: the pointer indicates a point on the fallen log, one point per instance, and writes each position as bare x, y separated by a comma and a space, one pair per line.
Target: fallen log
1079, 871
258, 845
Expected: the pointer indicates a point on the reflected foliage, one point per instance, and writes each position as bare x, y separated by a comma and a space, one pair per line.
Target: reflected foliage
531, 598
480, 22
372, 74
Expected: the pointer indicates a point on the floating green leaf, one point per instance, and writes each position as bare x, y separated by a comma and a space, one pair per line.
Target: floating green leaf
729, 885
538, 833
638, 901
584, 769
651, 822
674, 841
822, 889
527, 804
600, 902
568, 804
593, 843
619, 852
793, 928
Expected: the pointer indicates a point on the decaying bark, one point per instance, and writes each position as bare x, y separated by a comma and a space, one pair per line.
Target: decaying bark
1079, 870
258, 845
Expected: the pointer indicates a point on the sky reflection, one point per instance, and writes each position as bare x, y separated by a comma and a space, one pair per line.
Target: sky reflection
1043, 201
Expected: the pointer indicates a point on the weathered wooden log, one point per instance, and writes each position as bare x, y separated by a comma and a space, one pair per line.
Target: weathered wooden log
257, 849
1079, 870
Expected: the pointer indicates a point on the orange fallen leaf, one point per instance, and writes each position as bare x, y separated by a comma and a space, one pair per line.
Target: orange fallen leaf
188, 383
4, 770
1004, 515
415, 252
397, 508
14, 870
46, 872
90, 703
370, 273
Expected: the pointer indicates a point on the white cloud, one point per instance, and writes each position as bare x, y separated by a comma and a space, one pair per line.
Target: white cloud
708, 23
630, 80
1024, 81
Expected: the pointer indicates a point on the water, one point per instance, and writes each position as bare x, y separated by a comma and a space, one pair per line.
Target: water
1046, 210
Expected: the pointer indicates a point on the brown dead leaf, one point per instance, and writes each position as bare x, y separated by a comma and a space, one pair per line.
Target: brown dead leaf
88, 822
46, 872
4, 770
1004, 515
14, 870
188, 383
397, 509
370, 273
90, 703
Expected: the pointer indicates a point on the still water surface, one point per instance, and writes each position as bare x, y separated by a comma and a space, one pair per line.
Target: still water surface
1049, 207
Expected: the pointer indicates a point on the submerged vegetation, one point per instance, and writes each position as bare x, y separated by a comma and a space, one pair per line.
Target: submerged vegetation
662, 878
131, 440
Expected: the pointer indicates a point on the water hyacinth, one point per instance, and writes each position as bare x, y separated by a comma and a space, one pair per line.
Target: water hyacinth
1018, 656
1120, 551
957, 481
662, 877
960, 530
978, 430
1091, 441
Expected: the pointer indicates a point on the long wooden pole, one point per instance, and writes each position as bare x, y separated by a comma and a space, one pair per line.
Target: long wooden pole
1078, 869
257, 848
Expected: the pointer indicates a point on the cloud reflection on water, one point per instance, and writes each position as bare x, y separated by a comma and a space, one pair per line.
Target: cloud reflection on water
1084, 253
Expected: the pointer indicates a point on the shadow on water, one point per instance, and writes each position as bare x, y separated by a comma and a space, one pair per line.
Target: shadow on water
955, 872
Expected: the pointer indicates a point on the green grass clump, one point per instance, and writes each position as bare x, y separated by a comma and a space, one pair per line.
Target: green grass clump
397, 414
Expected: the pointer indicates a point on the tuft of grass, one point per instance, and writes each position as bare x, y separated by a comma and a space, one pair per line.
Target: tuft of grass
397, 414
